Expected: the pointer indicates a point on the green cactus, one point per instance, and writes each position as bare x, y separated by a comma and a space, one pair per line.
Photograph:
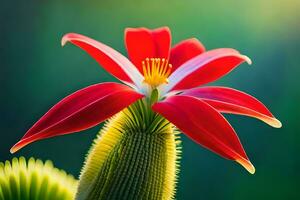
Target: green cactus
35, 180
134, 157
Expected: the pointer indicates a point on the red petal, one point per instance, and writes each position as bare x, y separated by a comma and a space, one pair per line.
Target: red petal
162, 40
229, 100
204, 125
80, 110
111, 60
142, 43
184, 51
204, 68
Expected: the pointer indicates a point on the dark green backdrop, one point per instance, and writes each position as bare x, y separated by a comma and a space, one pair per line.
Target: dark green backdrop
36, 72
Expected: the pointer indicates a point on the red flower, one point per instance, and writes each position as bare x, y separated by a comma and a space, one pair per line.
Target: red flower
175, 73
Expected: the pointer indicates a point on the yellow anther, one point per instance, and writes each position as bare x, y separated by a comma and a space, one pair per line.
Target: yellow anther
156, 71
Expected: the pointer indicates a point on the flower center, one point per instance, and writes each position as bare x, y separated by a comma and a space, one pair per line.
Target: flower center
156, 71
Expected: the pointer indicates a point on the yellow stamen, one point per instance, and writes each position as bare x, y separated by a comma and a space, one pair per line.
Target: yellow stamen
156, 71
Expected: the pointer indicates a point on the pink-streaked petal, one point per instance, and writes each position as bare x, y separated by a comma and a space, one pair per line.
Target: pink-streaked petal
184, 51
204, 68
206, 126
79, 111
228, 100
111, 60
142, 43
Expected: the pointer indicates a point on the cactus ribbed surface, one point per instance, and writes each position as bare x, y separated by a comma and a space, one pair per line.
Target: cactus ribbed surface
134, 157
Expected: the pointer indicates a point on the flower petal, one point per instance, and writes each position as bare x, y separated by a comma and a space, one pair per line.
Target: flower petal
111, 60
204, 68
142, 43
80, 110
206, 126
228, 100
184, 51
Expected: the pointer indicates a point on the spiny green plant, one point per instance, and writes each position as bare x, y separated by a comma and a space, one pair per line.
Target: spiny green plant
35, 180
134, 143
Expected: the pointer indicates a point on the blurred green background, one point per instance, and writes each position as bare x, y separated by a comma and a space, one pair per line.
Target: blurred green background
35, 73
